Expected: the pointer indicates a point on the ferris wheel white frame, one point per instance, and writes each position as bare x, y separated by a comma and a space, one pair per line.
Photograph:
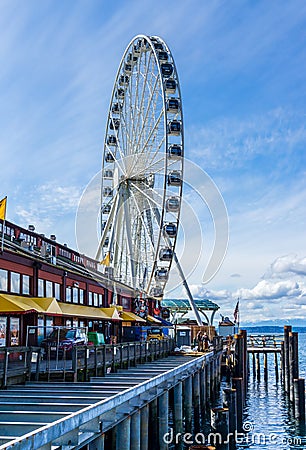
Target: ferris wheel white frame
142, 169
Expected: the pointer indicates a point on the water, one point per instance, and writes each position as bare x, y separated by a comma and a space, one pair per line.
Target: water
268, 412
268, 415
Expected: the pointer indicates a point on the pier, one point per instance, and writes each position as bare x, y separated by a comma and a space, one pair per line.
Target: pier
111, 411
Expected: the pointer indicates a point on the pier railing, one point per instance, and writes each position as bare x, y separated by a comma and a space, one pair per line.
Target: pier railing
267, 340
18, 364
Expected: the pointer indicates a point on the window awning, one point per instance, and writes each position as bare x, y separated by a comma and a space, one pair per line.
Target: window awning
164, 322
16, 303
89, 312
48, 304
128, 316
153, 319
111, 313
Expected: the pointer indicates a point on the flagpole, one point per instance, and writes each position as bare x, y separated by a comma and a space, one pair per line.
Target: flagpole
3, 222
2, 237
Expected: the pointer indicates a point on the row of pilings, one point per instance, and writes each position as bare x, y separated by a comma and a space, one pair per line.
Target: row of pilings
293, 385
189, 401
227, 420
174, 417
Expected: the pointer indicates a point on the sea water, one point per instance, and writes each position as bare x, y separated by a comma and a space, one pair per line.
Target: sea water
269, 419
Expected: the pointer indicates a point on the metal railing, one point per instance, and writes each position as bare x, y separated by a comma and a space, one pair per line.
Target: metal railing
25, 363
267, 340
18, 363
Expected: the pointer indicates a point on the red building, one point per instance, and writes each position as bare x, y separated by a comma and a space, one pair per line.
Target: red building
44, 284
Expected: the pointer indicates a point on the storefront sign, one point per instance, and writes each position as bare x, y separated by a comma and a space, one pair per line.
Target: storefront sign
3, 327
14, 330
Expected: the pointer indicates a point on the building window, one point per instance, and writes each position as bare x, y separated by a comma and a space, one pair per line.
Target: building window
90, 298
75, 295
57, 290
49, 289
100, 300
95, 299
126, 303
26, 284
15, 282
3, 280
81, 296
68, 294
41, 287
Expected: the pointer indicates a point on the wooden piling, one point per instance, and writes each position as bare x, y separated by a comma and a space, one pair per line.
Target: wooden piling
282, 363
163, 415
293, 362
276, 366
287, 330
178, 408
265, 366
238, 356
153, 420
203, 390
220, 426
208, 385
258, 366
254, 365
144, 424
230, 402
188, 404
196, 400
237, 384
243, 333
299, 399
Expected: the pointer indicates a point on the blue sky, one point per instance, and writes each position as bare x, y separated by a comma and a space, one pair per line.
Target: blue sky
242, 71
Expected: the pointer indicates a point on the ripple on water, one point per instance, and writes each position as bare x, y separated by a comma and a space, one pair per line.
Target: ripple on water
267, 410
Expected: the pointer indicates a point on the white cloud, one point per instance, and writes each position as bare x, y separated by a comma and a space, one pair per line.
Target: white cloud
266, 290
287, 265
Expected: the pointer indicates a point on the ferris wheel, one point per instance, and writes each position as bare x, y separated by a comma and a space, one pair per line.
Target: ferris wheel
142, 170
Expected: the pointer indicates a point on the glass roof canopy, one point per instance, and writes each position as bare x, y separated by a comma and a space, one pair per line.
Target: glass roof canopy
182, 306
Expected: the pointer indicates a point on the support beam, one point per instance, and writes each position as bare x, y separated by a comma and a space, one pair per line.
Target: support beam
177, 408
135, 431
163, 413
123, 434
188, 404
144, 423
97, 444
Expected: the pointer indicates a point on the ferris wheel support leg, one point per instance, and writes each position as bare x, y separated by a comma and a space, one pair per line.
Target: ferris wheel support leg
185, 284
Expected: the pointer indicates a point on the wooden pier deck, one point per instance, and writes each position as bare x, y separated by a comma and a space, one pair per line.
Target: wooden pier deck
42, 415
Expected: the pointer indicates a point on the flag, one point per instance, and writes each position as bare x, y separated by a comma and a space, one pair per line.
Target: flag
236, 312
3, 208
106, 260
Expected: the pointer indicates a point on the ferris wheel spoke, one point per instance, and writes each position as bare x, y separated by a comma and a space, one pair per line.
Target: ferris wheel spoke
147, 196
150, 158
107, 226
140, 105
127, 220
151, 241
140, 132
137, 107
154, 128
116, 161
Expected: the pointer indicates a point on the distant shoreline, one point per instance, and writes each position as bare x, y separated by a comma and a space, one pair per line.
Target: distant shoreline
271, 329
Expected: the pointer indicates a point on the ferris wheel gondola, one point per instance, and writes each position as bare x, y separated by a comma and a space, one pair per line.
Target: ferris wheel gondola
142, 171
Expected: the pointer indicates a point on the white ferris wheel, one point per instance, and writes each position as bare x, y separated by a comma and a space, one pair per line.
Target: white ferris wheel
142, 171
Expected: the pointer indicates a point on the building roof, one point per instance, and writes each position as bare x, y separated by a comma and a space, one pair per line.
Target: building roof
182, 304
